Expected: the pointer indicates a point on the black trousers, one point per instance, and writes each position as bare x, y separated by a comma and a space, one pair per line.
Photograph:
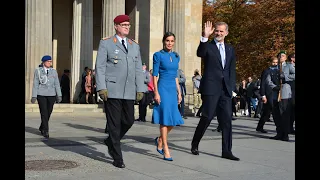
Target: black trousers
46, 106
181, 106
259, 108
219, 105
292, 116
143, 104
285, 106
265, 115
120, 118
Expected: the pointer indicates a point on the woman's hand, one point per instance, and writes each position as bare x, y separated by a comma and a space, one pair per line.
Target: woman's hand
179, 98
157, 98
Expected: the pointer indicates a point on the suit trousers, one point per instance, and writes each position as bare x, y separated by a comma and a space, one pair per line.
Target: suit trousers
46, 106
143, 104
120, 118
219, 105
265, 115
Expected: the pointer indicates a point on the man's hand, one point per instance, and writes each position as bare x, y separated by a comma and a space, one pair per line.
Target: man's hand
33, 100
208, 29
103, 93
59, 99
264, 99
139, 96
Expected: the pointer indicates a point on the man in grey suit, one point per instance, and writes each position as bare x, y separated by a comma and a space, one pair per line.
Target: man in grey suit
119, 81
143, 103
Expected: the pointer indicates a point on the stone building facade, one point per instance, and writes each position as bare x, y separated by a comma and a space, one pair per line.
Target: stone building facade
70, 31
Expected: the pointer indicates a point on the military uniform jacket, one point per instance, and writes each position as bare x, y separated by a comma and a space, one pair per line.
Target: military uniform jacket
118, 71
289, 76
46, 84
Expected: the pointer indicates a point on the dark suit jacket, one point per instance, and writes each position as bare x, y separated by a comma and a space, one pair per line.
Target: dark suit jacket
214, 75
266, 90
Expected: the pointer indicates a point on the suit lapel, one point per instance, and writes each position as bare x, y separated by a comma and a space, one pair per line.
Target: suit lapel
115, 40
216, 51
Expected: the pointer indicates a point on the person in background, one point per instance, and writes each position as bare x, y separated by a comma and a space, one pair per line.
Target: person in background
182, 83
46, 90
65, 86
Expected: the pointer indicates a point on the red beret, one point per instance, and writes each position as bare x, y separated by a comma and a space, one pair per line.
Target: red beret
121, 18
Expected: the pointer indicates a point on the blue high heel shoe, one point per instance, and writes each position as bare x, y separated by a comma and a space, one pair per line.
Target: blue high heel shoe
167, 159
159, 150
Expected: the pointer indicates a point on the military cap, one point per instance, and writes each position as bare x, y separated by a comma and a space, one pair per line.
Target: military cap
282, 52
143, 64
121, 18
46, 58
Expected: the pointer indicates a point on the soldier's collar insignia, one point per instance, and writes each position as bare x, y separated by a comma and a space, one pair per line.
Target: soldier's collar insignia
114, 39
134, 41
105, 38
129, 41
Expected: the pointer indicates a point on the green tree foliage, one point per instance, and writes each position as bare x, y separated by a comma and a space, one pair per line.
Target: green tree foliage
257, 31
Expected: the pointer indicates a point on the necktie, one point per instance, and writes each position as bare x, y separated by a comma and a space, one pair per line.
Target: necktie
47, 71
222, 54
124, 45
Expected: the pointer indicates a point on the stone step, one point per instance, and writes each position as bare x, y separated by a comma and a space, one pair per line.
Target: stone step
76, 108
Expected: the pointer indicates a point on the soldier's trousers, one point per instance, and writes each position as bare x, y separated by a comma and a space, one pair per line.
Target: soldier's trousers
120, 118
143, 104
285, 111
46, 106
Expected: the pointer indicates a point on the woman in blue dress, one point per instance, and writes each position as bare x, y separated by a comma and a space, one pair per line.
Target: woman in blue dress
167, 94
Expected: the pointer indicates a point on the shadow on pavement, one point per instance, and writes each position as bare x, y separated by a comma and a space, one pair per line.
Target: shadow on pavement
66, 145
79, 126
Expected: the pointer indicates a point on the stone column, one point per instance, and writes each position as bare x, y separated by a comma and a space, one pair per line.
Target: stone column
82, 43
38, 38
175, 23
184, 19
157, 10
111, 9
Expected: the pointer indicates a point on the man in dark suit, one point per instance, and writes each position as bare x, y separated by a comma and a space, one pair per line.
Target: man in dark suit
217, 84
267, 93
65, 86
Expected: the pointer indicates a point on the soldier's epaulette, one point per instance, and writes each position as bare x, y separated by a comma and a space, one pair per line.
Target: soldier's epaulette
105, 38
130, 41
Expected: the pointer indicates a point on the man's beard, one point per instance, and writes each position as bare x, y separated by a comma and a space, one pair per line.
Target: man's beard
219, 38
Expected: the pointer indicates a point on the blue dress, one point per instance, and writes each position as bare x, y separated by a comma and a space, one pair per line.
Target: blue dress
167, 113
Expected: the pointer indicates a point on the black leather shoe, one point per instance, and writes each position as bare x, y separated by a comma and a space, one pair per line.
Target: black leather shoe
230, 156
262, 130
45, 134
109, 148
276, 137
118, 164
195, 151
293, 132
285, 139
137, 120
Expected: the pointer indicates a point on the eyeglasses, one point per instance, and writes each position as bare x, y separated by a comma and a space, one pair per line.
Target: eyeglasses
49, 61
125, 25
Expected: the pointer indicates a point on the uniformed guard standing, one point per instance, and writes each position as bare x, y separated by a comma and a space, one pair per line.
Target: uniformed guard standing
120, 82
46, 90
